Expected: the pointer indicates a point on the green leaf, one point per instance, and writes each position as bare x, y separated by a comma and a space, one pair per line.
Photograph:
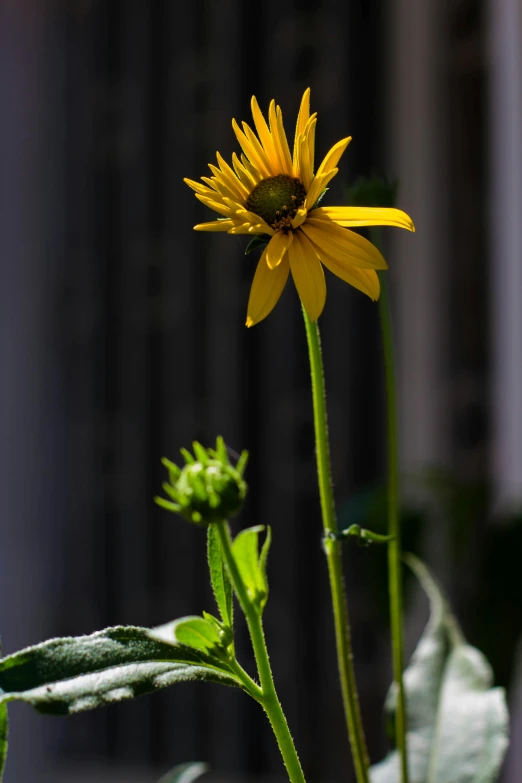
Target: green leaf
3, 737
252, 567
219, 577
260, 240
457, 723
65, 676
185, 773
196, 632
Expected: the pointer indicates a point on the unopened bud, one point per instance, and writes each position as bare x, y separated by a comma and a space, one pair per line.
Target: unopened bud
208, 488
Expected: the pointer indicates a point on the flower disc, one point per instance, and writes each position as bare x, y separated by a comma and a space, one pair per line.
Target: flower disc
276, 198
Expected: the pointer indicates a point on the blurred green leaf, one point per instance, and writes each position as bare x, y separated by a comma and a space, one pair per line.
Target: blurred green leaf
185, 773
69, 675
218, 575
4, 724
457, 723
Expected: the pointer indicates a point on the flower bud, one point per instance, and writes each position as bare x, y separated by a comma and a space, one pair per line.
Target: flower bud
207, 488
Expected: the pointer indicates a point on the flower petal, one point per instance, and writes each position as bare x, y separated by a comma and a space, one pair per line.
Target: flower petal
255, 175
243, 174
308, 276
333, 157
304, 153
218, 189
263, 131
277, 248
299, 217
199, 188
365, 280
269, 162
284, 140
255, 160
342, 244
254, 220
311, 143
319, 183
249, 228
215, 225
228, 176
284, 162
302, 119
215, 205
366, 216
267, 287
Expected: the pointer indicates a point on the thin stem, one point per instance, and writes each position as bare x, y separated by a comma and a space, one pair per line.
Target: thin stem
268, 696
394, 528
333, 550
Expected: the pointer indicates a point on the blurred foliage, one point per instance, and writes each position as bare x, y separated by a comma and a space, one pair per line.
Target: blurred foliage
457, 724
479, 543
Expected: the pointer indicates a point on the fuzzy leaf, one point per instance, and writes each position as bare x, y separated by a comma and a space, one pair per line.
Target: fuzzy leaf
219, 577
457, 724
64, 676
252, 566
471, 734
185, 773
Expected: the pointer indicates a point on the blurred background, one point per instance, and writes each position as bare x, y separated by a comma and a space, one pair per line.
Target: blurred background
122, 339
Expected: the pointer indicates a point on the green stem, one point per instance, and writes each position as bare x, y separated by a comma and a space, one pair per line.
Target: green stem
268, 696
394, 528
250, 685
333, 550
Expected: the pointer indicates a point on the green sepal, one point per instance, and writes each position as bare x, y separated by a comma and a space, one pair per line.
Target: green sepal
200, 453
73, 674
259, 240
242, 462
185, 773
219, 578
251, 564
456, 722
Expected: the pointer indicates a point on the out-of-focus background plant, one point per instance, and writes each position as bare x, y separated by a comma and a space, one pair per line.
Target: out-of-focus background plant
122, 337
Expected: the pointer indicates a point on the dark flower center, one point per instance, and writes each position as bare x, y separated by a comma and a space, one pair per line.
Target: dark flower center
277, 199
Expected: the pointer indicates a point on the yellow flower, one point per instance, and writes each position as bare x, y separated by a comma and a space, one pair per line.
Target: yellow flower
270, 191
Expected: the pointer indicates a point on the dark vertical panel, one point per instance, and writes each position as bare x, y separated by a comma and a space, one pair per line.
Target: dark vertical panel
224, 308
85, 578
181, 308
133, 154
31, 412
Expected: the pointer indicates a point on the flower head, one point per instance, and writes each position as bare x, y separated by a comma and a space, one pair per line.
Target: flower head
208, 488
273, 192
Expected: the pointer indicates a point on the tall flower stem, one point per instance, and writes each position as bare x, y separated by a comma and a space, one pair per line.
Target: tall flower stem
394, 529
332, 548
268, 697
